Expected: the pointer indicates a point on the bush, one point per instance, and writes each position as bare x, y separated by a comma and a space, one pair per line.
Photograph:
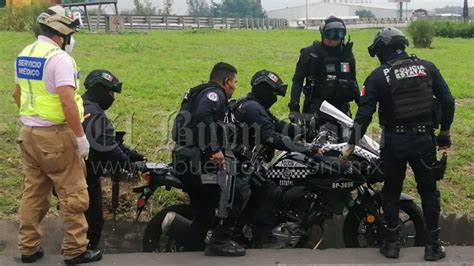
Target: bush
451, 29
21, 18
421, 32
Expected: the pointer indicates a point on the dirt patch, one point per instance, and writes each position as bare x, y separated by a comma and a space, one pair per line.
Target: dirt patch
127, 199
469, 168
464, 102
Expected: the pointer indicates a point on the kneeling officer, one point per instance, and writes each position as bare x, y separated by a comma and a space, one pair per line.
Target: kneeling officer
259, 127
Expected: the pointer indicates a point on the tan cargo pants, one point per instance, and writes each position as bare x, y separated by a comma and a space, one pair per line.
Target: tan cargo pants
50, 160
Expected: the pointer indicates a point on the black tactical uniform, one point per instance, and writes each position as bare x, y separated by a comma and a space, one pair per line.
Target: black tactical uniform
328, 73
106, 153
258, 126
405, 88
198, 134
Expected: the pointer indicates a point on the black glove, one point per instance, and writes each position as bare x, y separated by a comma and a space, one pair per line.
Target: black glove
133, 155
312, 151
294, 112
443, 139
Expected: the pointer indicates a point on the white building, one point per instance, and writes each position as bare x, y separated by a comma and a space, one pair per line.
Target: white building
322, 10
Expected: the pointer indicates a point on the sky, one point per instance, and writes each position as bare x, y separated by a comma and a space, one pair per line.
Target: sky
180, 7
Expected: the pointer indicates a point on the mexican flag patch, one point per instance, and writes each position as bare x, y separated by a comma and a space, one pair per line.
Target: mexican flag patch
345, 67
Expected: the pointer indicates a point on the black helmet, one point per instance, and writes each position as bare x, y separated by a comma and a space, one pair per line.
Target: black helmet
333, 28
104, 79
387, 37
271, 79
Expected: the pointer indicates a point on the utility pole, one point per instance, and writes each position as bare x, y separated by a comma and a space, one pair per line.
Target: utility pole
465, 12
306, 19
401, 9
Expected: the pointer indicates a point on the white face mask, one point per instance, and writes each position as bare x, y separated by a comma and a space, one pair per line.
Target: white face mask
69, 47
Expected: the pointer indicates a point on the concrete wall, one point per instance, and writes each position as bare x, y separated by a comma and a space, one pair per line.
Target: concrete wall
322, 10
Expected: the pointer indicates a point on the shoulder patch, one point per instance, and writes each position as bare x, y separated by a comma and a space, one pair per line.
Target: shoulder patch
212, 96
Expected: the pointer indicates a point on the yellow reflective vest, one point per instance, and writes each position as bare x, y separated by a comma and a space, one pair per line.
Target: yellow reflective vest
36, 100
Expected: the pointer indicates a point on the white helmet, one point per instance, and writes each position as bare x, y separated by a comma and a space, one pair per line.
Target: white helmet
60, 20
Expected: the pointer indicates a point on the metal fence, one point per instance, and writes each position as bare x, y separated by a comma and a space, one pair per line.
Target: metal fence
181, 22
359, 21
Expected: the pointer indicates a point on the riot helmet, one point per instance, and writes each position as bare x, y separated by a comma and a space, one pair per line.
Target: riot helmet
333, 28
266, 85
387, 41
100, 85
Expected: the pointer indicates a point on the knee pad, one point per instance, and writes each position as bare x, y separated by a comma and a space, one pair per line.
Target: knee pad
175, 225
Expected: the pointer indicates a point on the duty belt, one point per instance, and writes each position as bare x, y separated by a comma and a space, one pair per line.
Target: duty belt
418, 129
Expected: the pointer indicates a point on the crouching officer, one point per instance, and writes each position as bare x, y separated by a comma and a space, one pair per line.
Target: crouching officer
199, 152
405, 87
328, 71
258, 126
106, 153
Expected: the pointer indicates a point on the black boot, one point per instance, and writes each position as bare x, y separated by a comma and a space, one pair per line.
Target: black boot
391, 245
219, 244
86, 257
34, 257
433, 248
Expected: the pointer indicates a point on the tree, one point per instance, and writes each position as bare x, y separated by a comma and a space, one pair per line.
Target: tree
167, 6
238, 9
364, 13
198, 8
144, 8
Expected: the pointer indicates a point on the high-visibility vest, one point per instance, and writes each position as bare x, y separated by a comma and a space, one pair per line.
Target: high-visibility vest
36, 100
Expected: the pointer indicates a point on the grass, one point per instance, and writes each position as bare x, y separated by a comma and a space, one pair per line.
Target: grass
158, 67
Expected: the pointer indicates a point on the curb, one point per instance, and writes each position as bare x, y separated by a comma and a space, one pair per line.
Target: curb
126, 237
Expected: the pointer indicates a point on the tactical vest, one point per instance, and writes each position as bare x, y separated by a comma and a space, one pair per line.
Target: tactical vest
411, 89
245, 140
330, 75
182, 126
36, 100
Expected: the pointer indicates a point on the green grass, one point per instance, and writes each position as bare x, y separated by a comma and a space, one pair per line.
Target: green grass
158, 67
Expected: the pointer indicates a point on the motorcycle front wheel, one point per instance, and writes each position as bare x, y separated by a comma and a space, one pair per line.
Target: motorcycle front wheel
154, 241
359, 231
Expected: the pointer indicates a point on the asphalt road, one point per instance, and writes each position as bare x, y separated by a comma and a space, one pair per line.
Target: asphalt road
457, 255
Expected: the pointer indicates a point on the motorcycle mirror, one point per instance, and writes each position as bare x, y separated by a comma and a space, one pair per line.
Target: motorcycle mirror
119, 135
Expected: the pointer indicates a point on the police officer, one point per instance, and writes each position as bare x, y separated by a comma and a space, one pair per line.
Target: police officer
106, 152
198, 153
405, 87
328, 71
260, 127
52, 141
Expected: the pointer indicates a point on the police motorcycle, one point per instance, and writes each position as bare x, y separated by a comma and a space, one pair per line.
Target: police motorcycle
314, 191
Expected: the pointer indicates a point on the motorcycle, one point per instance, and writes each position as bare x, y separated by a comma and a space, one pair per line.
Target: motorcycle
319, 189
